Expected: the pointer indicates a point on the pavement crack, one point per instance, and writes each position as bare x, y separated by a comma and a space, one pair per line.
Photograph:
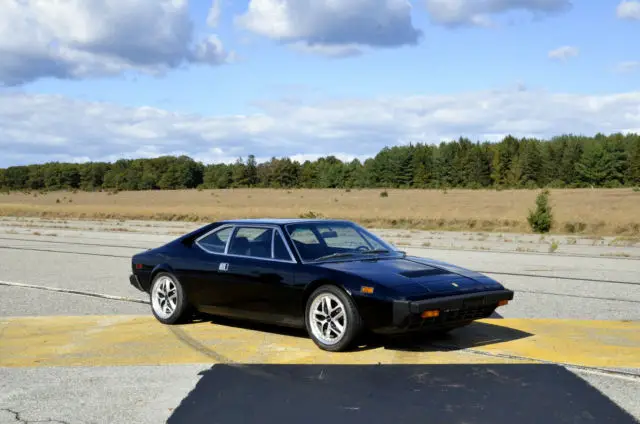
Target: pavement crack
17, 416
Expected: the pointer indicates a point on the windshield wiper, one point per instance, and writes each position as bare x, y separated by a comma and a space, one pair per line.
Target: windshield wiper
371, 252
334, 255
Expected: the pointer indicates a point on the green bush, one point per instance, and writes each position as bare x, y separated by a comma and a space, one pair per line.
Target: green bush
311, 215
541, 219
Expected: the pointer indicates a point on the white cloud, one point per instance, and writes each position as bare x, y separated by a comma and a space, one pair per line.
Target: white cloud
456, 13
38, 128
214, 14
628, 9
563, 53
331, 26
82, 38
628, 67
336, 51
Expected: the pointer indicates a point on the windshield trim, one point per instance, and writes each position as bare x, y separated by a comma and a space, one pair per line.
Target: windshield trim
364, 233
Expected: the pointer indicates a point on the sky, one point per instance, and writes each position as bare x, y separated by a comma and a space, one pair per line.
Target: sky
218, 80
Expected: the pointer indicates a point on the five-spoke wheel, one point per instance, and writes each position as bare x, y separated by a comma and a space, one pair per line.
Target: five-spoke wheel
332, 319
168, 301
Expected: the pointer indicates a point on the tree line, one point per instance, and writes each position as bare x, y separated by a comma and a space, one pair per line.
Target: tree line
562, 161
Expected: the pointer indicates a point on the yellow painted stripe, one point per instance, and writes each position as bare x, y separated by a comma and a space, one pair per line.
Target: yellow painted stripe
587, 343
141, 340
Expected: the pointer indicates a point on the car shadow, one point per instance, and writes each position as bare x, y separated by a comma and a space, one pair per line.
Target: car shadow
476, 334
366, 394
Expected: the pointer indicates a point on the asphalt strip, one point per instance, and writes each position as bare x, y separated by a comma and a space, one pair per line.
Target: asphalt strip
515, 274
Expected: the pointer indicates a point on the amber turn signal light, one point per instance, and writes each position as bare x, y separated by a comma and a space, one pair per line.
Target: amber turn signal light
503, 302
430, 314
367, 290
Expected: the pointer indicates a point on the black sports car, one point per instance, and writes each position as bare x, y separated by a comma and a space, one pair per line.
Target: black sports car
332, 277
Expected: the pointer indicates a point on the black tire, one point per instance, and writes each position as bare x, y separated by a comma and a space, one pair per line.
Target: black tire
182, 309
354, 324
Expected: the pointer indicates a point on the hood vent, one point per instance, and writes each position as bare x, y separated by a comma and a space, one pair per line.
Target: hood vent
424, 272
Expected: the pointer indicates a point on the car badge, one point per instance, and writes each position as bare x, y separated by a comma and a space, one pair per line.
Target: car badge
455, 284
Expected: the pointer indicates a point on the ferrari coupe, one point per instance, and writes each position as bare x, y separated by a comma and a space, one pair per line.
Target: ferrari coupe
333, 278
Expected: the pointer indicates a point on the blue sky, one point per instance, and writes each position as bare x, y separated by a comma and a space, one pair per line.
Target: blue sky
106, 79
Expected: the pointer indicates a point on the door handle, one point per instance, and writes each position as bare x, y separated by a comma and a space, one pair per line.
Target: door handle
223, 266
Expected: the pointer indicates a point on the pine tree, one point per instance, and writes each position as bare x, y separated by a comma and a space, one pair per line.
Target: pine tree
633, 168
541, 219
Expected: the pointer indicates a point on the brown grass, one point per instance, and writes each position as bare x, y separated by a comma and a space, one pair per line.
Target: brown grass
580, 211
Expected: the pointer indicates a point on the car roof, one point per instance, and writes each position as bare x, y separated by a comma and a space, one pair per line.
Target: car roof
280, 221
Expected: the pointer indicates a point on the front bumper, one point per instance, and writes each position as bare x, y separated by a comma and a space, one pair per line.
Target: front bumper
135, 282
453, 310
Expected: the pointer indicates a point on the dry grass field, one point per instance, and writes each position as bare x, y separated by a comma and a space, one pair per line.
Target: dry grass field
580, 211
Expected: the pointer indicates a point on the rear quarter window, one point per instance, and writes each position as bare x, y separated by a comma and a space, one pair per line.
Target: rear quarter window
216, 241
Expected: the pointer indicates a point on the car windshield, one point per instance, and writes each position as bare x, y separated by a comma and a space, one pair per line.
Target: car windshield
322, 241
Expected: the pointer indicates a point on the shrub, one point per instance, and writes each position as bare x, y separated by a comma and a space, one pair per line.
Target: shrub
541, 218
311, 215
556, 184
384, 194
530, 185
575, 227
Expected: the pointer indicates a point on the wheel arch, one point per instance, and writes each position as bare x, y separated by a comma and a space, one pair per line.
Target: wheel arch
311, 287
158, 269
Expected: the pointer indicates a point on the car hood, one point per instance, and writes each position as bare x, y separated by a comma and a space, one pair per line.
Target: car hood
414, 275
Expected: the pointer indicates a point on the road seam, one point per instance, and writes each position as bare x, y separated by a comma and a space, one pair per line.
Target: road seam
71, 291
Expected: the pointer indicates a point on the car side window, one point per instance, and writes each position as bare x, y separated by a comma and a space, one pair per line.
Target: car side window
280, 251
251, 241
216, 241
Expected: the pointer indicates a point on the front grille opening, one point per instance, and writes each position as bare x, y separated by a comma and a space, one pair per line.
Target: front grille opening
453, 316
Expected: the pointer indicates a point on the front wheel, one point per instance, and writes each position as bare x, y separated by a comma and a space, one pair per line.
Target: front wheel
332, 319
168, 300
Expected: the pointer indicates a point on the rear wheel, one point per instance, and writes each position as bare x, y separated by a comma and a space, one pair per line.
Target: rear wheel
168, 301
332, 319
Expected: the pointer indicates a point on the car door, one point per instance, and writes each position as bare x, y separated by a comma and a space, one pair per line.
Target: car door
208, 280
261, 275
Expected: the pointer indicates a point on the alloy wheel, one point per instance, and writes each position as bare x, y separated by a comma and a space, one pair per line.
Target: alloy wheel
164, 298
328, 318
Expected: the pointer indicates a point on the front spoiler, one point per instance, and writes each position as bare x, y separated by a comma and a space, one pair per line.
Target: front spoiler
453, 309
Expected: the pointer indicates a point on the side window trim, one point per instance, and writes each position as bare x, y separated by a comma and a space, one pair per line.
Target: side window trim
234, 230
273, 243
286, 245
